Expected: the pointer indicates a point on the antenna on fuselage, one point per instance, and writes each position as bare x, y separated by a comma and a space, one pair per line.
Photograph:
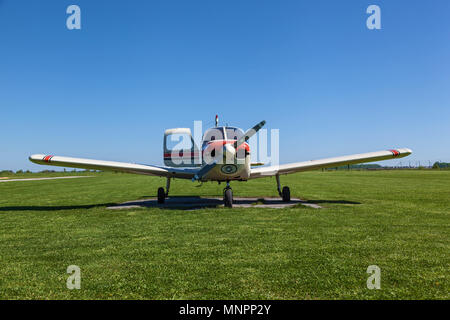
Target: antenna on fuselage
217, 120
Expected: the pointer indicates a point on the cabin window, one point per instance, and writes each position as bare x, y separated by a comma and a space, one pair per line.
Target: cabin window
213, 134
234, 133
178, 141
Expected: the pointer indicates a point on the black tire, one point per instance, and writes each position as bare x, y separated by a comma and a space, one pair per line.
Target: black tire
161, 195
228, 198
286, 194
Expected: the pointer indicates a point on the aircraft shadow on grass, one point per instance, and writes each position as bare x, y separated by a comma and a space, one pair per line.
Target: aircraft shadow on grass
332, 201
55, 208
177, 203
199, 202
307, 201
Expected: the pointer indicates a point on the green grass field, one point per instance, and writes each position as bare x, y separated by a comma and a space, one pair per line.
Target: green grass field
397, 220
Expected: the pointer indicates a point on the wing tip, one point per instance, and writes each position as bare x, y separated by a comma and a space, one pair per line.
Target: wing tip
401, 152
35, 157
40, 158
405, 151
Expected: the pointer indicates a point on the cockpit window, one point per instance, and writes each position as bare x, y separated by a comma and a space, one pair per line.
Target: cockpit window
234, 133
213, 134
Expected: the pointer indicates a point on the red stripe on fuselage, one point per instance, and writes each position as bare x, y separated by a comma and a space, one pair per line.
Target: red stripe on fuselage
219, 143
180, 154
215, 144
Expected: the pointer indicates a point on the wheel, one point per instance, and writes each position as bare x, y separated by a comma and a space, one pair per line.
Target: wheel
286, 194
228, 198
161, 195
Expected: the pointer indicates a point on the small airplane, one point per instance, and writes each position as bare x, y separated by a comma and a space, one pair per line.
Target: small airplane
224, 157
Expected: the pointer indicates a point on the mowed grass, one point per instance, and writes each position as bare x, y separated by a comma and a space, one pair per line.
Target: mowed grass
397, 220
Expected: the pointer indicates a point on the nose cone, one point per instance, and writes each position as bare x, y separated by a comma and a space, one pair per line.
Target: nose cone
229, 153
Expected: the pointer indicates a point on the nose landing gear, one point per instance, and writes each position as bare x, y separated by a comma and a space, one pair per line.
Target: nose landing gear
228, 196
285, 194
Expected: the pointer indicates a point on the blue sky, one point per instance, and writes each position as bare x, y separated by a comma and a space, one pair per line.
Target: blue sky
309, 68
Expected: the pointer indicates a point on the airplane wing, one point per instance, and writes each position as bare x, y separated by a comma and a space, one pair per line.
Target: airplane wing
261, 172
50, 160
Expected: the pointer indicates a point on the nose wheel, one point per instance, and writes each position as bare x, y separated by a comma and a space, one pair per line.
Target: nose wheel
228, 196
284, 193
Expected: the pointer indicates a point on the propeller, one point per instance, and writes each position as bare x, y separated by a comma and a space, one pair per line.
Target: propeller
249, 133
204, 170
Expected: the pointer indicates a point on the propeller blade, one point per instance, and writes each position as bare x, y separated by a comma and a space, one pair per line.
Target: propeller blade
203, 171
249, 133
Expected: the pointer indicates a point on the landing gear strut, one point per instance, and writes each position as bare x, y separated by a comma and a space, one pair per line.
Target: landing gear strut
228, 196
163, 195
285, 194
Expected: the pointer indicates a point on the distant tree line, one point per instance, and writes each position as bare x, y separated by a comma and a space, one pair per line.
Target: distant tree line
357, 167
441, 165
11, 172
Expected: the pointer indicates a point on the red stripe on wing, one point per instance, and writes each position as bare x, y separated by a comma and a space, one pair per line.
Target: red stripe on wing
394, 152
47, 158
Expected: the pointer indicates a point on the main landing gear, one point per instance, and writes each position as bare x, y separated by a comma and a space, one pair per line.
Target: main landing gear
228, 196
163, 195
285, 194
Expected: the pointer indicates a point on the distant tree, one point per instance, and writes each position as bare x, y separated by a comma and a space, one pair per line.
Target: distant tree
360, 166
19, 171
441, 165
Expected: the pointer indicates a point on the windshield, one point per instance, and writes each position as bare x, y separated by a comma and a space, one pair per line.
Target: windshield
234, 133
213, 134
